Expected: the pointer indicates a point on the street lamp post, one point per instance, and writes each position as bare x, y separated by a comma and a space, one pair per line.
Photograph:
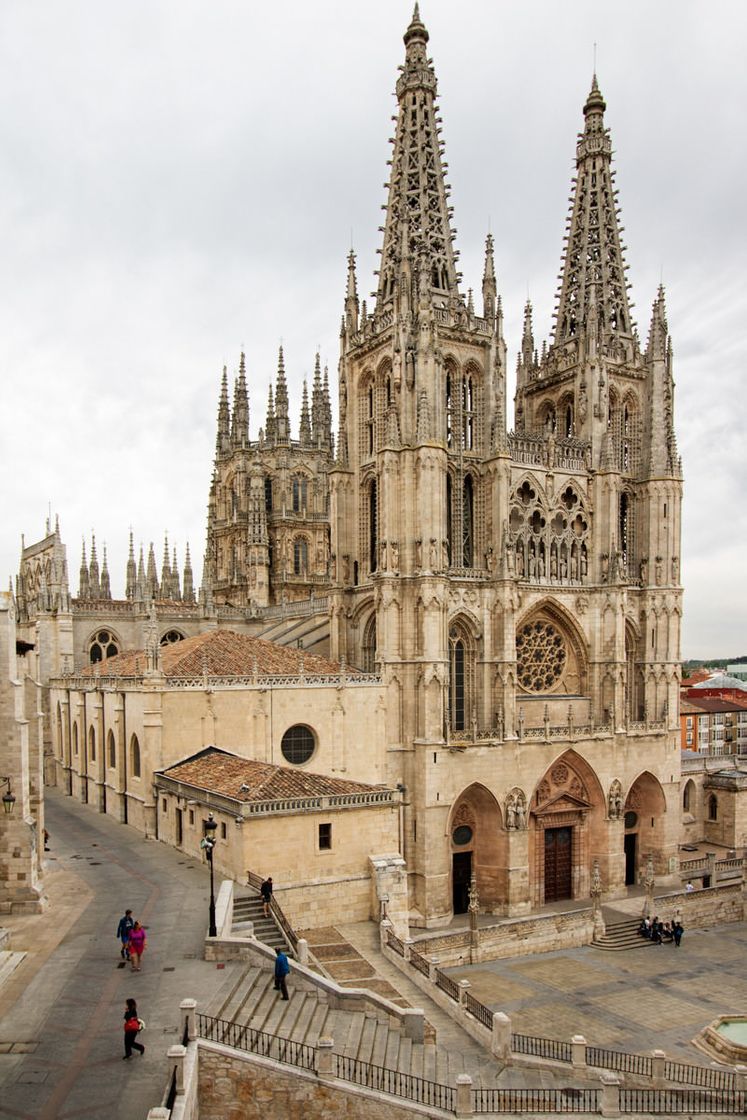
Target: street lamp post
208, 843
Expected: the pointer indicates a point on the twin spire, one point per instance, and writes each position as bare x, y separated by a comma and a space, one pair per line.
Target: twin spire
593, 280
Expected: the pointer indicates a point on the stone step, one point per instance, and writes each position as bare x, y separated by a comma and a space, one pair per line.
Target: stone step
620, 937
9, 962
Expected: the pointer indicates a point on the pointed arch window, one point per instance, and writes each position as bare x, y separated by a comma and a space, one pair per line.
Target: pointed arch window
135, 756
461, 678
300, 557
713, 807
468, 521
112, 750
299, 494
373, 527
59, 732
369, 646
625, 530
92, 744
75, 738
370, 420
268, 495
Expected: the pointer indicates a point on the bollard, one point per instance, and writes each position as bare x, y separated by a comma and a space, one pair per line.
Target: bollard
657, 1068
578, 1051
302, 951
413, 1023
188, 1020
324, 1058
463, 1095
177, 1054
464, 987
500, 1039
610, 1094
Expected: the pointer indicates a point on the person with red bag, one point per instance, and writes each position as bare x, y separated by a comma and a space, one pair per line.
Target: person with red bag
132, 1027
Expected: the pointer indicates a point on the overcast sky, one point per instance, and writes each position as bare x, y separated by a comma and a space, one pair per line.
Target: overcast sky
181, 179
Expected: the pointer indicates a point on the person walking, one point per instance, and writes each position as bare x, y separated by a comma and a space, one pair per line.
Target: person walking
282, 968
132, 1026
678, 931
266, 891
124, 929
137, 945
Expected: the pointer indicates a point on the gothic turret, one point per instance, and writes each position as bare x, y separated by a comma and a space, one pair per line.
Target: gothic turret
151, 579
83, 585
94, 580
188, 594
106, 590
593, 260
240, 417
304, 431
489, 287
663, 458
224, 416
131, 573
282, 422
351, 297
417, 233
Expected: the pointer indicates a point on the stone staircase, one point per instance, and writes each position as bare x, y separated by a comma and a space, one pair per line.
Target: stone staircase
9, 962
368, 1036
247, 912
619, 936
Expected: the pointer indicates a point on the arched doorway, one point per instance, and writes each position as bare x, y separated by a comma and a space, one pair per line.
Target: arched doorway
477, 846
645, 806
567, 821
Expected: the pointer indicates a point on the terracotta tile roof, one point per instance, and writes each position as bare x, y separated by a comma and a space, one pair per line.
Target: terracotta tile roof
220, 653
711, 704
220, 772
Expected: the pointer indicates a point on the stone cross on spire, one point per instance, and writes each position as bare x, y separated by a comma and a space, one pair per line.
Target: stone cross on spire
593, 260
417, 233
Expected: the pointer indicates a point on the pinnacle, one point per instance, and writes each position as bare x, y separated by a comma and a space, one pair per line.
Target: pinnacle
594, 101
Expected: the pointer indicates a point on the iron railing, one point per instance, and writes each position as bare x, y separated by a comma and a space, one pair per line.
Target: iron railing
672, 1102
446, 984
620, 1061
254, 880
482, 1013
536, 1047
397, 1084
242, 1037
536, 1100
419, 963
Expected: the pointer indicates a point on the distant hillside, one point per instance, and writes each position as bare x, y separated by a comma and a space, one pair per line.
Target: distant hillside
719, 663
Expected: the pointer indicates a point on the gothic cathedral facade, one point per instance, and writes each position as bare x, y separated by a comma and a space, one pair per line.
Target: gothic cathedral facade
518, 592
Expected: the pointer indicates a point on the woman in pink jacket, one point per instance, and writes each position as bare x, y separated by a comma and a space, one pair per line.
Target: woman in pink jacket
137, 945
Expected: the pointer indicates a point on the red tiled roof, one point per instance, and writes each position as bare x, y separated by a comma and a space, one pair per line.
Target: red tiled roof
224, 773
219, 653
710, 704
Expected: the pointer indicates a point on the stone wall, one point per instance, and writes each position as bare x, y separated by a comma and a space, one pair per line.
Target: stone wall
232, 1088
516, 938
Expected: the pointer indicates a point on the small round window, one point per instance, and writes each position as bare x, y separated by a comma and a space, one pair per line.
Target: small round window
298, 744
462, 835
631, 819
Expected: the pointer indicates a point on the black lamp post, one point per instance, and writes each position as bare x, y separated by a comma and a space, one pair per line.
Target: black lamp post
208, 843
9, 801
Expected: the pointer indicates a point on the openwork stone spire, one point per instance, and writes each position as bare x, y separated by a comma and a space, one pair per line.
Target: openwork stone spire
593, 260
417, 234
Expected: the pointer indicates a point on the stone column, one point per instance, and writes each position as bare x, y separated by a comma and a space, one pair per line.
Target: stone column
188, 1020
578, 1051
517, 872
324, 1058
610, 1094
177, 1054
657, 1070
463, 1095
500, 1041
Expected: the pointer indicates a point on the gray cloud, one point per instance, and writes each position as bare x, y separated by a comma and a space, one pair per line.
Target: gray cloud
180, 180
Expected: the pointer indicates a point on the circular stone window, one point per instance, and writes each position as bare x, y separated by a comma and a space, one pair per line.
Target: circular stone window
462, 835
540, 656
298, 744
103, 645
631, 819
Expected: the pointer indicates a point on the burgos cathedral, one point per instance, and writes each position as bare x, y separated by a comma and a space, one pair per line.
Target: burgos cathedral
468, 636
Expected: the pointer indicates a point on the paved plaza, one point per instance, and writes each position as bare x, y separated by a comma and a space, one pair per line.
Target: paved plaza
655, 997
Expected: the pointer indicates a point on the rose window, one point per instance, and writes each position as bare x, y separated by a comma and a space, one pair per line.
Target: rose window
540, 656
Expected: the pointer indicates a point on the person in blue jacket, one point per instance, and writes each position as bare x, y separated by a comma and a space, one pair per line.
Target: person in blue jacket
123, 933
282, 968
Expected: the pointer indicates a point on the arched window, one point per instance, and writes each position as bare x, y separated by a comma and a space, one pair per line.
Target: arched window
111, 747
300, 557
300, 494
713, 807
75, 738
103, 645
59, 732
268, 495
569, 421
91, 744
461, 678
370, 421
468, 520
369, 646
373, 528
135, 756
468, 415
625, 532
298, 744
687, 797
